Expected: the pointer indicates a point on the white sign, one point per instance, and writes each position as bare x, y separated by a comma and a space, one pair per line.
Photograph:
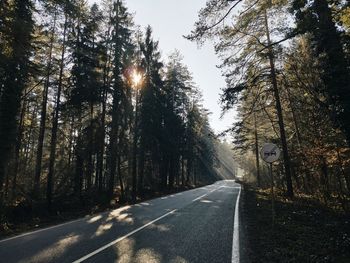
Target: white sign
270, 152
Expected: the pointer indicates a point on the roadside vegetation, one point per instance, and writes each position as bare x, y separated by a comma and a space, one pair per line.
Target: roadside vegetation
304, 230
286, 65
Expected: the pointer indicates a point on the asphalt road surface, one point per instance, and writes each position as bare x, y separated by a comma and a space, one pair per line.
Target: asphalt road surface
192, 226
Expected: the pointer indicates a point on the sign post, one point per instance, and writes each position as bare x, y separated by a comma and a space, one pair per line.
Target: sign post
270, 153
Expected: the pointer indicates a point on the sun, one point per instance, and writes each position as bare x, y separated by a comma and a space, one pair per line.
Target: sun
136, 78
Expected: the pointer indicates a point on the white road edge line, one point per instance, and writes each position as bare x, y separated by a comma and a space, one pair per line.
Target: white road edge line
235, 240
123, 237
134, 231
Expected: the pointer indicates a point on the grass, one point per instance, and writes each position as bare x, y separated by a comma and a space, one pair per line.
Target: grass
304, 230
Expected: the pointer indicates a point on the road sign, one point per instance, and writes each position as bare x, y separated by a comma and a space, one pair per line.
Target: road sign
270, 152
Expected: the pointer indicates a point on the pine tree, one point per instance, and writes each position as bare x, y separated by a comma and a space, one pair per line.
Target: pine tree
86, 82
121, 42
178, 85
317, 19
67, 8
152, 109
47, 84
254, 52
16, 75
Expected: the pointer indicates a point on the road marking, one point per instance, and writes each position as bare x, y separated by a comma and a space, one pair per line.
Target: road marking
232, 187
84, 218
235, 240
123, 237
134, 231
206, 194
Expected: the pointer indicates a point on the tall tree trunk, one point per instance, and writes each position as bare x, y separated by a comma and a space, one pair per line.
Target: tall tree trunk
294, 117
90, 165
195, 171
164, 162
70, 144
113, 155
54, 129
18, 147
113, 145
29, 145
177, 169
102, 133
257, 152
286, 158
182, 170
79, 162
141, 164
325, 178
134, 152
101, 151
78, 177
345, 175
189, 169
121, 184
39, 154
171, 171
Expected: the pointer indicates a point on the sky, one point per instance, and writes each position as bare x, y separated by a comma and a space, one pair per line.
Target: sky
170, 20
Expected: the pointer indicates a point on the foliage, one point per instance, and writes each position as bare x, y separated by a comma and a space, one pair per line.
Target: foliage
293, 93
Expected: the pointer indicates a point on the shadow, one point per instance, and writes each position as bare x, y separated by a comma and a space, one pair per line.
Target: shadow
198, 231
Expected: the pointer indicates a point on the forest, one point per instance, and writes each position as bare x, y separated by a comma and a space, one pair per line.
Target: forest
90, 111
286, 65
93, 116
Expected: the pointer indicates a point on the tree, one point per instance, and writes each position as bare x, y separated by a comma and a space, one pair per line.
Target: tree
39, 154
317, 19
178, 85
86, 82
16, 75
121, 42
4, 38
67, 9
151, 111
252, 41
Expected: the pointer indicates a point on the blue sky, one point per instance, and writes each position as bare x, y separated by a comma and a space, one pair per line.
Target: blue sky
170, 20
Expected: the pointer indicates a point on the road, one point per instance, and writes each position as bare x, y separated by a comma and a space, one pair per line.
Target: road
191, 226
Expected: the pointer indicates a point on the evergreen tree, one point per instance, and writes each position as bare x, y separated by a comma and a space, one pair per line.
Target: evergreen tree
85, 81
317, 19
254, 56
15, 77
178, 85
152, 110
121, 42
4, 38
68, 9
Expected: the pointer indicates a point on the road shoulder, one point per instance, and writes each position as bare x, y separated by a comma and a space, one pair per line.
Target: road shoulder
304, 231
